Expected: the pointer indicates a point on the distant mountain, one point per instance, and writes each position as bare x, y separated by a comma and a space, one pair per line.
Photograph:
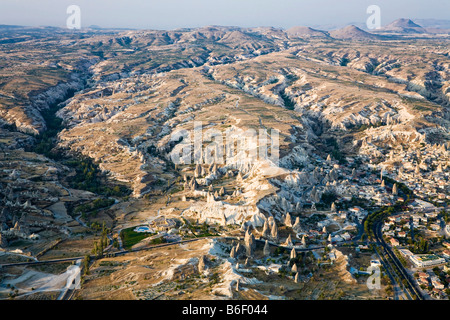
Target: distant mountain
353, 33
306, 32
269, 32
6, 26
433, 23
403, 26
329, 27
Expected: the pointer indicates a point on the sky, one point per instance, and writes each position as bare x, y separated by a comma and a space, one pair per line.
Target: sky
172, 14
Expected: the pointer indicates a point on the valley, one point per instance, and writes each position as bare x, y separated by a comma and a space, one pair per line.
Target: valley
92, 124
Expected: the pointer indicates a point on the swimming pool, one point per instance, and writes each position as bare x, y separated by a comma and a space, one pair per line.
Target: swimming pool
142, 229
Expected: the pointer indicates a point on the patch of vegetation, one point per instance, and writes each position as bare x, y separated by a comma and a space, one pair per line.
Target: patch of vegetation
420, 246
356, 202
131, 237
158, 241
93, 206
401, 187
100, 245
89, 177
109, 264
364, 126
45, 142
288, 103
214, 279
328, 198
279, 251
379, 215
202, 230
344, 62
336, 153
400, 257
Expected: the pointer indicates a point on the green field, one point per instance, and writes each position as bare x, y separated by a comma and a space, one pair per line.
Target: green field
130, 237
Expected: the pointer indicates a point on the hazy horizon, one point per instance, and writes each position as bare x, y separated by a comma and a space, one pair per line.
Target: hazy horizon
173, 14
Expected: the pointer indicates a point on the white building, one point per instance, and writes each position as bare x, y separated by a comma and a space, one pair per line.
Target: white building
426, 260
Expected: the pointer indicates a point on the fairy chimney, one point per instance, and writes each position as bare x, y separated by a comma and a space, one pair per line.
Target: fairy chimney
197, 171
250, 243
266, 250
297, 226
288, 220
293, 254
395, 189
233, 253
288, 242
274, 231
266, 231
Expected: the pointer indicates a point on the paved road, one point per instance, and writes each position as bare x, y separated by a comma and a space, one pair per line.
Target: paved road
113, 254
398, 292
122, 252
39, 262
411, 287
